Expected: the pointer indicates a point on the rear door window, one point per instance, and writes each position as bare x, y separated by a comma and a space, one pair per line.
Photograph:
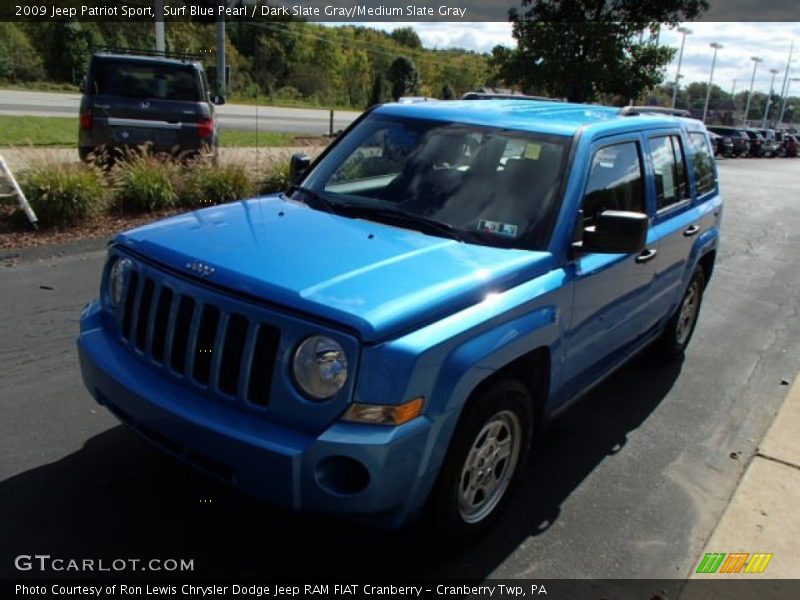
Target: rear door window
146, 80
669, 169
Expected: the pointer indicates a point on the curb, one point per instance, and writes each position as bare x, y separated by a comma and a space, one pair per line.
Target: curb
761, 517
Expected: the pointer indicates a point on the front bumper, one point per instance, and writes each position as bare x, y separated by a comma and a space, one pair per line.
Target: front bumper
279, 464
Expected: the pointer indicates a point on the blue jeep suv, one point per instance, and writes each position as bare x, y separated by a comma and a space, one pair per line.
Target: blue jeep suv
391, 333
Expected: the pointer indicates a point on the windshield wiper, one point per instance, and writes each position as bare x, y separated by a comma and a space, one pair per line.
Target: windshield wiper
417, 222
317, 198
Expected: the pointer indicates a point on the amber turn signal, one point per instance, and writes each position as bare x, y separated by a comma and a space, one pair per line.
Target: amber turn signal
377, 414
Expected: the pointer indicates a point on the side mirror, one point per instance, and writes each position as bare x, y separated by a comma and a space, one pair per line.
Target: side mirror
298, 166
616, 232
218, 100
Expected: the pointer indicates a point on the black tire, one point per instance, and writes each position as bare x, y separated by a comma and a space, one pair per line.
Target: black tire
506, 406
679, 330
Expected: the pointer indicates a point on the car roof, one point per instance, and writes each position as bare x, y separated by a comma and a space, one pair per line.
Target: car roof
555, 118
145, 59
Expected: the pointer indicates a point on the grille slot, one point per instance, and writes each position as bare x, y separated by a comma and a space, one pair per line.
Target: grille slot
232, 352
161, 323
204, 346
180, 339
264, 352
130, 300
143, 318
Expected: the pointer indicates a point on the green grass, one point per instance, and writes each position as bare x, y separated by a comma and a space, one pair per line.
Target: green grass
231, 138
38, 131
55, 132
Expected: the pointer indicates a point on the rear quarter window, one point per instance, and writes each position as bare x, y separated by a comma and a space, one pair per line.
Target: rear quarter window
702, 162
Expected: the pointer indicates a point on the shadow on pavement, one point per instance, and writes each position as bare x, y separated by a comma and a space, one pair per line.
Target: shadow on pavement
119, 498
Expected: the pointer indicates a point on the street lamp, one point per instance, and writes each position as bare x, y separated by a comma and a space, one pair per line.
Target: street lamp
716, 47
755, 60
769, 97
784, 108
685, 31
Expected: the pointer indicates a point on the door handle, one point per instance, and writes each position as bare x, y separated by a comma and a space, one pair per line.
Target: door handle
647, 255
691, 230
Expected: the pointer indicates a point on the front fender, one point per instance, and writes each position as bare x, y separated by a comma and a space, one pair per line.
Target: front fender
446, 360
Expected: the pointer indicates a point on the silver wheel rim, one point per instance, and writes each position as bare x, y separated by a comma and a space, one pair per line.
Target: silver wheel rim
489, 467
688, 314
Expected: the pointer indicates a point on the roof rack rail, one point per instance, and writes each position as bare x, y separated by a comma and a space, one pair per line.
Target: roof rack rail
633, 111
492, 96
150, 52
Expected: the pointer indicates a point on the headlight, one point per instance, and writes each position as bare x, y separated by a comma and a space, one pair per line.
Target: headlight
116, 280
320, 367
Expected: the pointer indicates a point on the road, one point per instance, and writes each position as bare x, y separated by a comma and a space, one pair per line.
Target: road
231, 116
629, 483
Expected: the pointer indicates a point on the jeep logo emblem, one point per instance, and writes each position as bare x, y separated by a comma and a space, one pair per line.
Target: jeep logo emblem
199, 268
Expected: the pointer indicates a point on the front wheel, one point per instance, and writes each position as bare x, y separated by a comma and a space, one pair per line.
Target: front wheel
489, 449
681, 326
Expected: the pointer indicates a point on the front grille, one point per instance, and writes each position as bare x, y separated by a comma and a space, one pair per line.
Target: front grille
199, 340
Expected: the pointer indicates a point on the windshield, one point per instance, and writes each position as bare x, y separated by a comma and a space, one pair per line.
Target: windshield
145, 80
485, 185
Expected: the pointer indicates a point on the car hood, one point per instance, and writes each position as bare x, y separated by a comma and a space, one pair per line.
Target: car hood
374, 278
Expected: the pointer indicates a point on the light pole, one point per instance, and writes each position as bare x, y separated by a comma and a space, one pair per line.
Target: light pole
159, 8
716, 47
769, 97
786, 95
755, 60
785, 83
685, 31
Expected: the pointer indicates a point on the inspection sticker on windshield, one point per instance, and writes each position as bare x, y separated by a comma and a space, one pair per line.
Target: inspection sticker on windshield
504, 229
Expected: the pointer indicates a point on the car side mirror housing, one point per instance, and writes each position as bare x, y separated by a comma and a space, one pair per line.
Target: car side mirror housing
218, 100
298, 166
616, 232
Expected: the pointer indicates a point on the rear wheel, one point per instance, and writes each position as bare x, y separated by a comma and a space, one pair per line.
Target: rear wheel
487, 453
679, 330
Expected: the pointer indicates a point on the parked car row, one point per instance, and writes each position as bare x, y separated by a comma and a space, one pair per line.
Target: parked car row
748, 142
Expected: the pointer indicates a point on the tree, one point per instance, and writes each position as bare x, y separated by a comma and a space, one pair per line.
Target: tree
579, 49
378, 93
447, 91
406, 36
404, 77
19, 61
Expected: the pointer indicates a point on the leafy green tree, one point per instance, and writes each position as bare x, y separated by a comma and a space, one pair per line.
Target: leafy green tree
580, 49
69, 47
378, 94
19, 60
406, 36
404, 77
447, 91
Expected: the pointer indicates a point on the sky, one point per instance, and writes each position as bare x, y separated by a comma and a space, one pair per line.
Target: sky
740, 41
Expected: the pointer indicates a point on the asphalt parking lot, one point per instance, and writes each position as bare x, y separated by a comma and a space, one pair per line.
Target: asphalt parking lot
629, 483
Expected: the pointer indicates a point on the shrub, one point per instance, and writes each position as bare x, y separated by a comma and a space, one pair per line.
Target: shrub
208, 184
277, 178
146, 183
63, 194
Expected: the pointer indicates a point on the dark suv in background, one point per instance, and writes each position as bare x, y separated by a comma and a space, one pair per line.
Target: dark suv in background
757, 148
740, 141
131, 100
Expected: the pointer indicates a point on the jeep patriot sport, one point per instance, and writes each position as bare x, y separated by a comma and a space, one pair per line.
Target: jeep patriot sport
391, 332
